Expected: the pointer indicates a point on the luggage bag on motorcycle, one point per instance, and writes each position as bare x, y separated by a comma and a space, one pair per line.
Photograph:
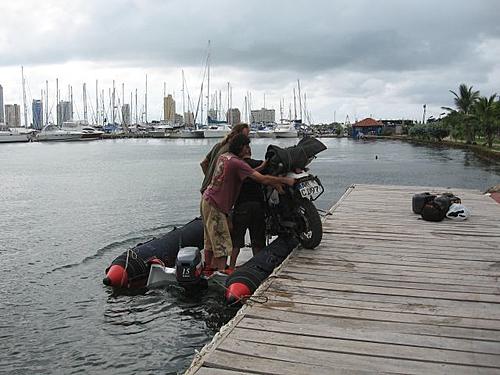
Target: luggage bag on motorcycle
283, 160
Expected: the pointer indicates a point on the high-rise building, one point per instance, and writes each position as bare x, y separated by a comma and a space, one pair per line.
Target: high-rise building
13, 115
262, 116
126, 114
2, 115
169, 109
64, 112
233, 116
189, 118
37, 108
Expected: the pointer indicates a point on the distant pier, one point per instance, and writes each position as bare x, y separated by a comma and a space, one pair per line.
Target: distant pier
385, 292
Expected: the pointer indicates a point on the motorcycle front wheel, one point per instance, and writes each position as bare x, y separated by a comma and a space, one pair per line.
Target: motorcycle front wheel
310, 228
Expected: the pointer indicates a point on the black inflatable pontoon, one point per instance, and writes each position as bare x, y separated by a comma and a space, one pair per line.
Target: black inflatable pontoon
131, 269
247, 278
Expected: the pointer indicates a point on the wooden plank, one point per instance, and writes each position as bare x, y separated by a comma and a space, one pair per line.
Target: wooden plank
355, 279
386, 316
459, 308
219, 371
491, 313
366, 348
371, 335
329, 247
457, 296
262, 365
308, 261
332, 360
330, 322
391, 269
381, 274
401, 258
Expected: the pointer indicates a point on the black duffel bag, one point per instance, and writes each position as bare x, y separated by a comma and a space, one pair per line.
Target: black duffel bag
419, 200
284, 160
436, 209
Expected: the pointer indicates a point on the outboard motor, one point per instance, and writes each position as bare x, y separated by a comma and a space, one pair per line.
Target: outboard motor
188, 267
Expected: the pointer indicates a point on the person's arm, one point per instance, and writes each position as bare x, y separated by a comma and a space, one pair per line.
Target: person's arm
206, 162
204, 165
274, 181
261, 166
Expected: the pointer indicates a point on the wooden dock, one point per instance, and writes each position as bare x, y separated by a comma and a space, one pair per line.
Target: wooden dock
385, 292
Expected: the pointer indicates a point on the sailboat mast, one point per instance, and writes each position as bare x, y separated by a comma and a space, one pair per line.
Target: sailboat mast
113, 104
123, 102
96, 102
281, 110
208, 81
102, 105
183, 99
300, 100
294, 105
228, 114
46, 102
57, 102
71, 100
146, 101
85, 103
24, 99
219, 112
136, 118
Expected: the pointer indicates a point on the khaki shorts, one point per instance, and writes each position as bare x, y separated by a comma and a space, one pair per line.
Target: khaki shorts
217, 237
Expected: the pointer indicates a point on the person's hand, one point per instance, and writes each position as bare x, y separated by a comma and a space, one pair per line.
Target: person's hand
288, 181
279, 188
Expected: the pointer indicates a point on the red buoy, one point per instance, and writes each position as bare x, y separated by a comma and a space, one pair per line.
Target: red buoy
236, 291
116, 277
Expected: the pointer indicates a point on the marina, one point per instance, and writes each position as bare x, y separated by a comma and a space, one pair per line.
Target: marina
385, 292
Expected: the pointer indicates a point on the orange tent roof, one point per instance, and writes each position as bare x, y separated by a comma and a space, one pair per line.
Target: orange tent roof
368, 122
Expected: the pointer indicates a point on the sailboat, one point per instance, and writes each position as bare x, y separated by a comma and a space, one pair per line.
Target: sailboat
187, 131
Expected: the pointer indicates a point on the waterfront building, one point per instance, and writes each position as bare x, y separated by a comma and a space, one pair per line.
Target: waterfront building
126, 114
233, 116
37, 109
367, 126
169, 109
2, 114
64, 112
189, 118
258, 116
13, 115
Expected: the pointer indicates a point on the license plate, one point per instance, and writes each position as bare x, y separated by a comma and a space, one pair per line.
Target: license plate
309, 188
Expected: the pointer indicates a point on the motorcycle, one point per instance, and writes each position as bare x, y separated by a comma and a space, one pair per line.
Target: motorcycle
293, 212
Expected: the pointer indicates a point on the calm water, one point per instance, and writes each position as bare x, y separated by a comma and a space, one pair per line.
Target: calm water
68, 209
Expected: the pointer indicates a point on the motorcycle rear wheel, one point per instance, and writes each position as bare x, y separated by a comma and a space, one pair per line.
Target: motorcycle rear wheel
311, 228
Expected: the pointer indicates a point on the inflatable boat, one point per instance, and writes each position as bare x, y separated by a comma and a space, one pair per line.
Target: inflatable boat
176, 258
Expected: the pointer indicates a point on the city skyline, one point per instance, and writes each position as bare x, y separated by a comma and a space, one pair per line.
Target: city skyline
355, 58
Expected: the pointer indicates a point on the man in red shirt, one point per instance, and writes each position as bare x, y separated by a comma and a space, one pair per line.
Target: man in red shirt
219, 197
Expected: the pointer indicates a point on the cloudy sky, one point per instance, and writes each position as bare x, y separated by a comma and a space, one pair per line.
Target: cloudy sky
355, 58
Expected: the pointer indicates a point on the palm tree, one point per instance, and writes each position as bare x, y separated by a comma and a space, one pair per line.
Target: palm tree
486, 111
464, 102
